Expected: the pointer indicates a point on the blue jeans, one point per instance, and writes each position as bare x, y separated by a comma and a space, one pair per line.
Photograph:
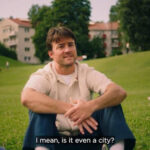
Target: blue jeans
111, 124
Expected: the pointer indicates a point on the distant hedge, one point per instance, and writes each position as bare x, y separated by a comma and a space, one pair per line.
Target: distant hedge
7, 52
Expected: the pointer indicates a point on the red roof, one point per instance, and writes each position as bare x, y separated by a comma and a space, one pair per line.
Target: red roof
104, 26
20, 22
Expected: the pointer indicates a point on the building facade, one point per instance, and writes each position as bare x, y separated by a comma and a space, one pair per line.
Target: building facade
108, 32
16, 34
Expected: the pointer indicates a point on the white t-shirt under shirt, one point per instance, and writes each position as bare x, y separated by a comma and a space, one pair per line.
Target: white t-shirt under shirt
66, 78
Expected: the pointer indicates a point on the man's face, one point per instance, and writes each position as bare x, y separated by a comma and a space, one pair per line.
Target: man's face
64, 52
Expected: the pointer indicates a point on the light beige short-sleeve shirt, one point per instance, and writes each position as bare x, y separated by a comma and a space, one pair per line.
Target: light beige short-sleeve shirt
85, 80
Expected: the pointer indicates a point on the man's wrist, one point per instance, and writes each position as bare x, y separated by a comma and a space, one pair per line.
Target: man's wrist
67, 107
93, 105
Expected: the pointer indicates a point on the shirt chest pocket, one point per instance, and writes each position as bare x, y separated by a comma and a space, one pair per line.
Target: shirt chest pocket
86, 94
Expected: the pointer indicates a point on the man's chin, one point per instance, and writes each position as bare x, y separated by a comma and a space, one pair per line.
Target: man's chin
69, 63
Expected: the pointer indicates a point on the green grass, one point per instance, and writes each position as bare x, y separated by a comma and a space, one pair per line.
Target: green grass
12, 62
131, 71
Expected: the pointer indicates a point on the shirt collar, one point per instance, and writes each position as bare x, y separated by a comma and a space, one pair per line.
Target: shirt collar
74, 77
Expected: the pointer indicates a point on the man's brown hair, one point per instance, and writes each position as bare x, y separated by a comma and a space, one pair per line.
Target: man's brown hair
55, 34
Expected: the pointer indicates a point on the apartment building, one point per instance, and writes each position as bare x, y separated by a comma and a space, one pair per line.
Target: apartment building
108, 32
16, 34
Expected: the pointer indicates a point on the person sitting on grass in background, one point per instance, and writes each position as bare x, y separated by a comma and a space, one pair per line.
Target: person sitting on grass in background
7, 64
60, 103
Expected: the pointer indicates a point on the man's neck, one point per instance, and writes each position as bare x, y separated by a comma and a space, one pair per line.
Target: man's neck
64, 70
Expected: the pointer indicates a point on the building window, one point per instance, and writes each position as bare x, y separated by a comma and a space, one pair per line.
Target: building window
115, 43
26, 29
105, 45
104, 36
6, 40
13, 37
4, 30
114, 33
7, 29
27, 58
13, 47
26, 39
89, 36
27, 49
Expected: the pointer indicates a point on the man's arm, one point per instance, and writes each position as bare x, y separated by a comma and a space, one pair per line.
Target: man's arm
112, 96
41, 103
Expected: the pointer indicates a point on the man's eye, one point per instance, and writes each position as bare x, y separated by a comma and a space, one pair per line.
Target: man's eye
61, 46
70, 45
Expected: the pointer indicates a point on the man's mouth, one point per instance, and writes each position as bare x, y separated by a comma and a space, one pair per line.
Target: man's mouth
70, 56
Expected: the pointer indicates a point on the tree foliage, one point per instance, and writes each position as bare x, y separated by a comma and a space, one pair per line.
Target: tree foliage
33, 14
135, 23
113, 16
7, 52
96, 48
41, 20
73, 14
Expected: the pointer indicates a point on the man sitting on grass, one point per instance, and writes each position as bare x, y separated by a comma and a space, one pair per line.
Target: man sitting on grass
59, 97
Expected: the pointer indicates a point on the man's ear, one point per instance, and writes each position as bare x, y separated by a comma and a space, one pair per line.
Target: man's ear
50, 54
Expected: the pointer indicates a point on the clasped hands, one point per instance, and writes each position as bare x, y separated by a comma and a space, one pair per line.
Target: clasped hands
80, 113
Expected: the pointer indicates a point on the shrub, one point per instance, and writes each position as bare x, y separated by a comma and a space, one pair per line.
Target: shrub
7, 52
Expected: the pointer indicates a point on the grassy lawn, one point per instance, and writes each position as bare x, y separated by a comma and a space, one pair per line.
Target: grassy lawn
131, 71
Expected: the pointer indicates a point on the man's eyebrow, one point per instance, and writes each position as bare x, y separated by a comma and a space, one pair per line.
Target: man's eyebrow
61, 43
67, 42
71, 42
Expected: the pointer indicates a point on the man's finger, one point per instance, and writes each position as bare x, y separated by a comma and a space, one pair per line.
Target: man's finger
93, 120
78, 121
91, 124
85, 125
81, 128
74, 119
69, 112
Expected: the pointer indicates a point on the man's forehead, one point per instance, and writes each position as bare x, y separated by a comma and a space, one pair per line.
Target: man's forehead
64, 40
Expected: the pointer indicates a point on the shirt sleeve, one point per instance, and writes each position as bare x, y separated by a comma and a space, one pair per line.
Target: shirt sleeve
97, 81
38, 83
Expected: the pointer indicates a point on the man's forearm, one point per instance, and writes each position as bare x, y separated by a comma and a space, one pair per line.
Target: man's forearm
113, 96
41, 103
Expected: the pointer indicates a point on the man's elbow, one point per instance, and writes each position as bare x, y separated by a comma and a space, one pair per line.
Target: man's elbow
122, 94
24, 98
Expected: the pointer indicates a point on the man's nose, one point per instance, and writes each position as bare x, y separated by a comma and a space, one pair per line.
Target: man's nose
67, 49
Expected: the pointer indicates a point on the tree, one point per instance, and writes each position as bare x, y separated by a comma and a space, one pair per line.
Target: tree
4, 51
73, 14
96, 48
113, 15
41, 20
135, 23
33, 14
